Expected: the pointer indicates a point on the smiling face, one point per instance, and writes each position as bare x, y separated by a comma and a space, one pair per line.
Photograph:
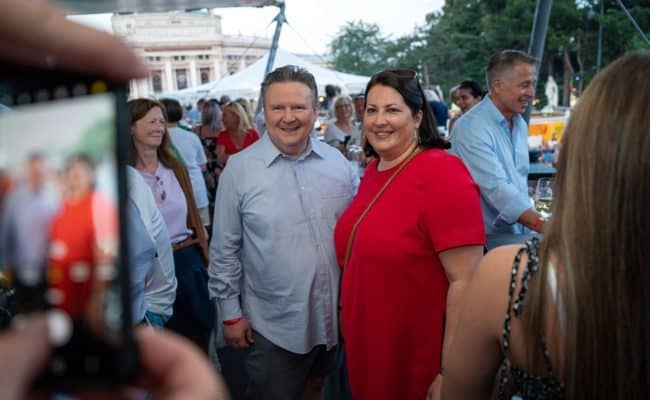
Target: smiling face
514, 89
388, 122
149, 130
290, 114
466, 100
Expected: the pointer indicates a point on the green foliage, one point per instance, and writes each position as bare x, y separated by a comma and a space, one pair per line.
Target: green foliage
359, 48
98, 140
456, 43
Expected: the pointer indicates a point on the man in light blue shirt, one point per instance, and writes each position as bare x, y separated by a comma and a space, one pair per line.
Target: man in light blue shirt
273, 267
492, 140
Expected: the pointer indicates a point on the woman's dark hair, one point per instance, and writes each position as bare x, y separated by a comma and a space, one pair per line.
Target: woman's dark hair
174, 110
405, 82
474, 88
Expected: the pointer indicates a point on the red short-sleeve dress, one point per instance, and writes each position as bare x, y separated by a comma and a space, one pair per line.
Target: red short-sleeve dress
224, 140
394, 287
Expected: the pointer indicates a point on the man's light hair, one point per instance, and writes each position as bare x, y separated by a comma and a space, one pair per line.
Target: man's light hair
505, 60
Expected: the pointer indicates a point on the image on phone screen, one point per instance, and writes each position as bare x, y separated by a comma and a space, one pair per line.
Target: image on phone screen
60, 227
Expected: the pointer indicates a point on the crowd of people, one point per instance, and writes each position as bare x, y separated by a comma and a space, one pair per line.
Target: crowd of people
323, 284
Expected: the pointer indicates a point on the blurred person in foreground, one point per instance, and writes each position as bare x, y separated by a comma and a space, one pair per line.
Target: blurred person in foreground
408, 244
153, 280
492, 140
272, 263
578, 305
190, 148
38, 34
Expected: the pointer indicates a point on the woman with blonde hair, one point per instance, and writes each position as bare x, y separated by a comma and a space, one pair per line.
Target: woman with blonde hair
342, 132
238, 133
246, 105
578, 302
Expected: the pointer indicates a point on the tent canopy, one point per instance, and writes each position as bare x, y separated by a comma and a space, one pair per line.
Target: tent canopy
246, 83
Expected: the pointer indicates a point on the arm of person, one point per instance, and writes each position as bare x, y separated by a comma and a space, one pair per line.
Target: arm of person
38, 34
201, 159
455, 225
225, 269
459, 264
532, 219
222, 157
474, 354
160, 281
481, 159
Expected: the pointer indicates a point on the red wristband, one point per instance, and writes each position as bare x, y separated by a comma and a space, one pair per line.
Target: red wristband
232, 321
538, 224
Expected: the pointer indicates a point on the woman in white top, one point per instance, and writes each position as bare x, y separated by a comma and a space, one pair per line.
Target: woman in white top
342, 132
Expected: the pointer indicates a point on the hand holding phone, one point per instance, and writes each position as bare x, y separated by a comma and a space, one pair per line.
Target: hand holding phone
171, 366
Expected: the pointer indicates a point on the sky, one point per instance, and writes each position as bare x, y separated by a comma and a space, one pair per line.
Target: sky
313, 23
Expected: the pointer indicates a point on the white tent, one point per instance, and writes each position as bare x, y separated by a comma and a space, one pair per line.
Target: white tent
246, 83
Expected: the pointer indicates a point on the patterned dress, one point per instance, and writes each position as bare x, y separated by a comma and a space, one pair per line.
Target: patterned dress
213, 169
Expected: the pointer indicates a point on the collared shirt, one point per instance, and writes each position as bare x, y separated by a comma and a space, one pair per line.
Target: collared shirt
497, 158
272, 257
160, 280
191, 150
24, 229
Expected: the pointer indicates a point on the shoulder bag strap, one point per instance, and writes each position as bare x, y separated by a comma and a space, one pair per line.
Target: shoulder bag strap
348, 248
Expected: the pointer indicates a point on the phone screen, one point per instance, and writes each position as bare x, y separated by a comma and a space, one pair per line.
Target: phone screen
61, 240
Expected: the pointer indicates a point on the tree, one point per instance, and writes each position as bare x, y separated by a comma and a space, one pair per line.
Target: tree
359, 48
455, 43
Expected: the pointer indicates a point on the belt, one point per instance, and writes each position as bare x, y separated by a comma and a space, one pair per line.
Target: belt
186, 243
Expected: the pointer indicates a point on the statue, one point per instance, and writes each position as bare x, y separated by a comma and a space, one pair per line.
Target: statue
551, 91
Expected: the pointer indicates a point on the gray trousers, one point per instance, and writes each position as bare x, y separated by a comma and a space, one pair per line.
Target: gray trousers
278, 374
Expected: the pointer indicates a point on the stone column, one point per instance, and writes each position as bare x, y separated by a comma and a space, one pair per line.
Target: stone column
144, 88
193, 79
133, 89
169, 77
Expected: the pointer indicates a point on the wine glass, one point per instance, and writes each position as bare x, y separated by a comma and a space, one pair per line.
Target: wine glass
355, 156
544, 196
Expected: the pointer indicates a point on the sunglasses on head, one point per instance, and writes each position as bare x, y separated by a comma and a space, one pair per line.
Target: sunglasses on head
403, 73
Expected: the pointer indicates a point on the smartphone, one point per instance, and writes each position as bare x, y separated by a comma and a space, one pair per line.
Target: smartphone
63, 235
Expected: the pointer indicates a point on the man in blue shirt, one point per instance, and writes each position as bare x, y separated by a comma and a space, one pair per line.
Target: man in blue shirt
492, 140
273, 267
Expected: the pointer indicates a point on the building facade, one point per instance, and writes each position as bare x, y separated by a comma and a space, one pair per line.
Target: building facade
185, 49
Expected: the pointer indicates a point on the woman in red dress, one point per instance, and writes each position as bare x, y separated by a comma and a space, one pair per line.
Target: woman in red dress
238, 134
413, 252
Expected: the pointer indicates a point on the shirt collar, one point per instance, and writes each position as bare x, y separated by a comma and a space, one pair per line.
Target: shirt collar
497, 116
270, 153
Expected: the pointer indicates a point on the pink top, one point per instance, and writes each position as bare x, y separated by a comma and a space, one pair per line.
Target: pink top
170, 200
